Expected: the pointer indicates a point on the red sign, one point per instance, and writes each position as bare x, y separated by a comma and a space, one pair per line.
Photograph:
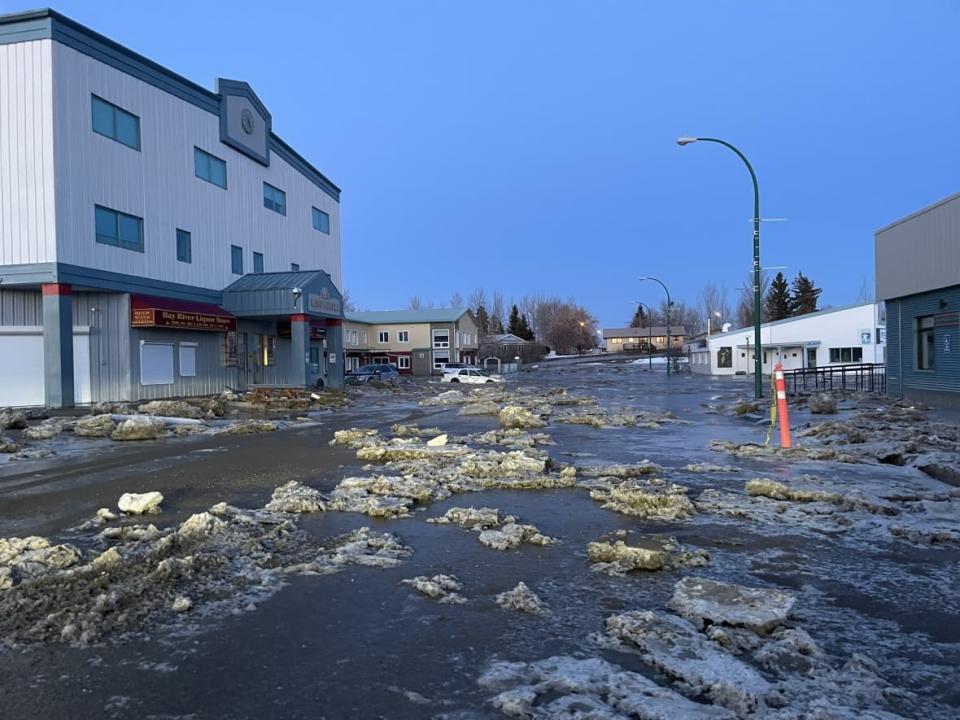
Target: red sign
181, 319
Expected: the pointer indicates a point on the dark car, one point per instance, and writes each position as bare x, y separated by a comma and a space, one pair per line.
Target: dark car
380, 372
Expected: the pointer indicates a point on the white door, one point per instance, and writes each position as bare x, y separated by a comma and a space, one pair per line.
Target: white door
21, 360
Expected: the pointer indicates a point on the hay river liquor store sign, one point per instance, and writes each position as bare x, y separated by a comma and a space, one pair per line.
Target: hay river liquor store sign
181, 320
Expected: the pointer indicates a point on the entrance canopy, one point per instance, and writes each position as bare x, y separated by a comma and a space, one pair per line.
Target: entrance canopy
282, 294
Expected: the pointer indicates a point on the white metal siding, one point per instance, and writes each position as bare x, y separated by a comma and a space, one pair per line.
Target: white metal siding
158, 184
26, 154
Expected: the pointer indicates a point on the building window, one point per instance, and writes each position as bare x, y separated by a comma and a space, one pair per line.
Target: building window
925, 343
116, 124
403, 336
354, 337
118, 229
236, 260
294, 267
383, 336
440, 359
156, 363
403, 362
466, 338
725, 357
274, 199
441, 339
188, 359
846, 355
258, 262
321, 221
184, 247
210, 168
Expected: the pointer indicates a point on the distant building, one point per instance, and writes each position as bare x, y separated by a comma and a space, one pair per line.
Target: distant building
418, 342
918, 277
836, 336
626, 339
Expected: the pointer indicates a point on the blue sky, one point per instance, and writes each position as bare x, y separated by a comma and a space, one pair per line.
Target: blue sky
529, 146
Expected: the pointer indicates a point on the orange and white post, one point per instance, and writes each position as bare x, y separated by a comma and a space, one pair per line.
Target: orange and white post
782, 405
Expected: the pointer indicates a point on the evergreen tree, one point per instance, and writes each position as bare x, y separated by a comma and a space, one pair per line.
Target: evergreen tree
513, 324
639, 319
778, 304
524, 329
804, 297
483, 320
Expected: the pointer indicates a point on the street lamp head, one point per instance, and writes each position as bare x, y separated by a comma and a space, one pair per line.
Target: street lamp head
685, 140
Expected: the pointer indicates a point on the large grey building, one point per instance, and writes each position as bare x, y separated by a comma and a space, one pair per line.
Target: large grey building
156, 238
918, 277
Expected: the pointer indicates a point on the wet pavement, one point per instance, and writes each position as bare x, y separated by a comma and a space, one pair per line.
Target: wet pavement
359, 644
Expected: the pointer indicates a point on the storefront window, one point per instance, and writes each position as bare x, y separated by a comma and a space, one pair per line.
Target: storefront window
268, 349
925, 343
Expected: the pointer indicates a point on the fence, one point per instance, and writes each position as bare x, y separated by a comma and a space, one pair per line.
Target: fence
862, 377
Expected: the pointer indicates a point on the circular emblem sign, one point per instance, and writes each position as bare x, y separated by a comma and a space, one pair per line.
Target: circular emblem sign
246, 121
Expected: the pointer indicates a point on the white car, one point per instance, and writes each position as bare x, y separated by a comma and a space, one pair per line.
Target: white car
469, 376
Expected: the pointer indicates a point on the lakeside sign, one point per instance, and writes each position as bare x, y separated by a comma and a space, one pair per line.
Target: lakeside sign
181, 320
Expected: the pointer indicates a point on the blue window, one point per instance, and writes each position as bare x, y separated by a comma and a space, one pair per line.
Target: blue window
274, 199
258, 262
236, 260
294, 267
184, 247
321, 221
210, 168
116, 124
118, 229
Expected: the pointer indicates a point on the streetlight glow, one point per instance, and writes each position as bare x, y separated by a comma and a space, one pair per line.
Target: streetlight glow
686, 140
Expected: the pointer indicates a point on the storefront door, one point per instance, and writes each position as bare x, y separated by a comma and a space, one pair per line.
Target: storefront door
316, 363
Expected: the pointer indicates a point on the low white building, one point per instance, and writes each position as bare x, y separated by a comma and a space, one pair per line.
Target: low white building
837, 336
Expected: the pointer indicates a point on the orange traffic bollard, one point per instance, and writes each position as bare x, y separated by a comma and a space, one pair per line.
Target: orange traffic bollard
782, 406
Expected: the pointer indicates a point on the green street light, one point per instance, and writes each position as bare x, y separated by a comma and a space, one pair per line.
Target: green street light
669, 303
758, 366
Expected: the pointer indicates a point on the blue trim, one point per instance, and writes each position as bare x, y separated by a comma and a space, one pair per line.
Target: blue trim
49, 24
83, 278
27, 274
21, 27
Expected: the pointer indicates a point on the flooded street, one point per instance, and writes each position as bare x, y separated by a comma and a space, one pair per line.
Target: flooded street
358, 643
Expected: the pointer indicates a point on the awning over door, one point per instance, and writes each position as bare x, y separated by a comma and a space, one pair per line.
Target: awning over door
282, 294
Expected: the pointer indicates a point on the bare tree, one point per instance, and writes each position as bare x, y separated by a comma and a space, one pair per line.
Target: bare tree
497, 312
477, 298
348, 305
415, 303
745, 299
456, 300
572, 329
865, 293
713, 306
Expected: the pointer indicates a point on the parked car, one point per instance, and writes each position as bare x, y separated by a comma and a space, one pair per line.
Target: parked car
381, 372
453, 367
470, 376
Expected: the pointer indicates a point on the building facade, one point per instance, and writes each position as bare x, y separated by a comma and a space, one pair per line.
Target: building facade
418, 342
642, 339
918, 277
131, 199
836, 336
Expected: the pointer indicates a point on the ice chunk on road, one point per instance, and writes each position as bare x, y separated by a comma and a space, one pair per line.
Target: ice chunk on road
140, 503
701, 601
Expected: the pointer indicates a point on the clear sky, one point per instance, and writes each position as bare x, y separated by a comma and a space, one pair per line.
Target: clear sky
528, 146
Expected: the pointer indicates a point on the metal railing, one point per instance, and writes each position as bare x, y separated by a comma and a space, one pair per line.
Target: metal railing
860, 377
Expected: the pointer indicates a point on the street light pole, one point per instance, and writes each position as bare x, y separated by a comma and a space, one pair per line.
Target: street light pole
669, 303
757, 367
